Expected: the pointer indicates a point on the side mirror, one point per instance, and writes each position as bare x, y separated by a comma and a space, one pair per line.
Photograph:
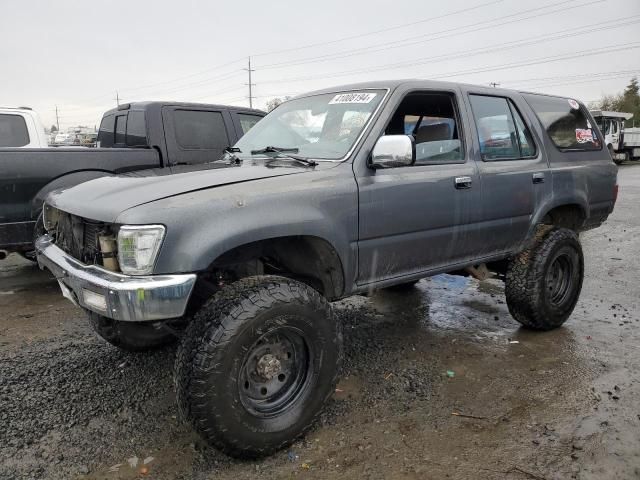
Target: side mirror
393, 151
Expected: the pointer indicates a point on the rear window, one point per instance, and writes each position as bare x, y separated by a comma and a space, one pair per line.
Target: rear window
565, 122
200, 130
105, 134
13, 131
136, 129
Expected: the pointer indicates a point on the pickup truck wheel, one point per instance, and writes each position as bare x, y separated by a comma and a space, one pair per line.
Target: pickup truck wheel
257, 364
544, 281
130, 336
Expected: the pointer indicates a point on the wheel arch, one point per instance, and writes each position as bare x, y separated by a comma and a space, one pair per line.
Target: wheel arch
307, 258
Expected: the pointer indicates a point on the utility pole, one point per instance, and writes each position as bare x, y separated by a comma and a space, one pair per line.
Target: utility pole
57, 119
251, 85
117, 98
494, 84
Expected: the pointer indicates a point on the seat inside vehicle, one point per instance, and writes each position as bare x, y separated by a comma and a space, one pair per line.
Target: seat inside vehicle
432, 121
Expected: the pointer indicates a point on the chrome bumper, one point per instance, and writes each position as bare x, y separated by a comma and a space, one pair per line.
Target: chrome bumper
127, 298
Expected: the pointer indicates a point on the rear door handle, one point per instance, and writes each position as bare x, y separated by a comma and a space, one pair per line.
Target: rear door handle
538, 177
462, 183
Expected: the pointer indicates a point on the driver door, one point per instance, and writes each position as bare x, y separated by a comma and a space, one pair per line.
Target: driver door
419, 218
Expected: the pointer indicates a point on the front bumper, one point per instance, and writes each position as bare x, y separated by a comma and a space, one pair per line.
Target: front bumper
127, 298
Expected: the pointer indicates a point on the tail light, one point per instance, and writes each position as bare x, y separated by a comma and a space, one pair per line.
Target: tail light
615, 193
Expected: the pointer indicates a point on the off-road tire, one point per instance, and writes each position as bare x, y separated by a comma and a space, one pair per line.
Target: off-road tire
534, 298
213, 355
130, 336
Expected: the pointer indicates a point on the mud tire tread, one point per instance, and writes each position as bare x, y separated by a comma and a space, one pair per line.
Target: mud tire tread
525, 279
213, 326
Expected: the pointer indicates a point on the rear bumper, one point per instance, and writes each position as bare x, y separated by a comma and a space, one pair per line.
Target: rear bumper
114, 295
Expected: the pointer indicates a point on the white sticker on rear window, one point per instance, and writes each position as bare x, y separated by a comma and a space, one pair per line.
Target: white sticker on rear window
354, 97
573, 104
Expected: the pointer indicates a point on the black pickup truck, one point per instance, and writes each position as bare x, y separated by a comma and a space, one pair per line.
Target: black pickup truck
134, 136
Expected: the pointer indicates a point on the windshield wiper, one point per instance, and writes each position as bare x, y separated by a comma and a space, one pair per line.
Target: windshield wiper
282, 153
270, 149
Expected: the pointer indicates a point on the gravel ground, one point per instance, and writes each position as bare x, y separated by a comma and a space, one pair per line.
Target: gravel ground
433, 386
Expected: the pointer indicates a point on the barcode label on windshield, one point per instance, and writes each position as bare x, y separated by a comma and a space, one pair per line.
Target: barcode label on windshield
354, 97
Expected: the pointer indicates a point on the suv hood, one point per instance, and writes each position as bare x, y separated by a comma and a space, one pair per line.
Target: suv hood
104, 198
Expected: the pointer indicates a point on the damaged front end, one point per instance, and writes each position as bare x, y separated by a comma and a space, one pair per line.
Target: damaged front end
83, 256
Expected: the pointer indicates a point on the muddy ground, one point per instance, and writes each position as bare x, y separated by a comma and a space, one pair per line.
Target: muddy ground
556, 405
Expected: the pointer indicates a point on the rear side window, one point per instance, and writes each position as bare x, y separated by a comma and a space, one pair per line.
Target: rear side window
13, 131
247, 121
200, 130
136, 129
565, 122
502, 133
121, 129
105, 134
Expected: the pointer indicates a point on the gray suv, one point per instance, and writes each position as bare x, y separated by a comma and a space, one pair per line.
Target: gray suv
332, 194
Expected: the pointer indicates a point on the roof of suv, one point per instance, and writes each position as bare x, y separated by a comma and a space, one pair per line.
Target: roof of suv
417, 83
147, 105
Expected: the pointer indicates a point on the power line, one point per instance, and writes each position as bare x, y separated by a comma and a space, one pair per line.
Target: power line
587, 29
375, 32
483, 25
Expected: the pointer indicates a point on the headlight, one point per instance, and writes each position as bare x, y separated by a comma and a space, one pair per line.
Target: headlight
138, 248
50, 217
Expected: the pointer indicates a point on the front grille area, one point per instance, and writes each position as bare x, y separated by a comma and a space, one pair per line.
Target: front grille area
78, 237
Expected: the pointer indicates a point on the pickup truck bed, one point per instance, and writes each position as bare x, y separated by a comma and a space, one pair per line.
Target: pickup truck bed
135, 136
28, 175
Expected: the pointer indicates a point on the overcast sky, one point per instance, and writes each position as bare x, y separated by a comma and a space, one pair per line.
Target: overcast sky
77, 54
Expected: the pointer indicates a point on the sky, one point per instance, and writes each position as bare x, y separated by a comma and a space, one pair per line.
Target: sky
79, 55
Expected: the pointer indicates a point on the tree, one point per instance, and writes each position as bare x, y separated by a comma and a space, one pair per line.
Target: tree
627, 101
274, 102
54, 129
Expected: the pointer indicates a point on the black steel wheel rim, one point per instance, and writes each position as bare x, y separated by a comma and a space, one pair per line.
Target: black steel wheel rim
560, 279
275, 371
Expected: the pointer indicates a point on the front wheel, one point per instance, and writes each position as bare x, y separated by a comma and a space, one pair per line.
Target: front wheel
130, 336
543, 282
257, 364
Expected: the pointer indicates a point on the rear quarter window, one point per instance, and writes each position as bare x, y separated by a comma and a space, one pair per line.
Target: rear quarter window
105, 134
13, 131
136, 129
565, 122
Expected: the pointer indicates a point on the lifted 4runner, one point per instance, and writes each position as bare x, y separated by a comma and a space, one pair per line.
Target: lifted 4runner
334, 193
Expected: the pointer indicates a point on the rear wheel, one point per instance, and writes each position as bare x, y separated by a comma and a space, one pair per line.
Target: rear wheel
257, 364
543, 282
130, 336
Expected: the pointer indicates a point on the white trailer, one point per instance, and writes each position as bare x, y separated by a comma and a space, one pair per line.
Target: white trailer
622, 144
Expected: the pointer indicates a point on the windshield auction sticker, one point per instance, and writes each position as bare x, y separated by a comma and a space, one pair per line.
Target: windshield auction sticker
353, 97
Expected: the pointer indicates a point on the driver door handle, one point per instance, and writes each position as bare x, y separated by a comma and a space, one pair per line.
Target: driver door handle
538, 177
462, 183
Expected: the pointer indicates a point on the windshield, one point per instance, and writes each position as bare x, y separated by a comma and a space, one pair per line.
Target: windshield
323, 127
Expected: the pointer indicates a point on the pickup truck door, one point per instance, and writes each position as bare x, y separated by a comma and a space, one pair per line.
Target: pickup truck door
513, 169
420, 218
196, 135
